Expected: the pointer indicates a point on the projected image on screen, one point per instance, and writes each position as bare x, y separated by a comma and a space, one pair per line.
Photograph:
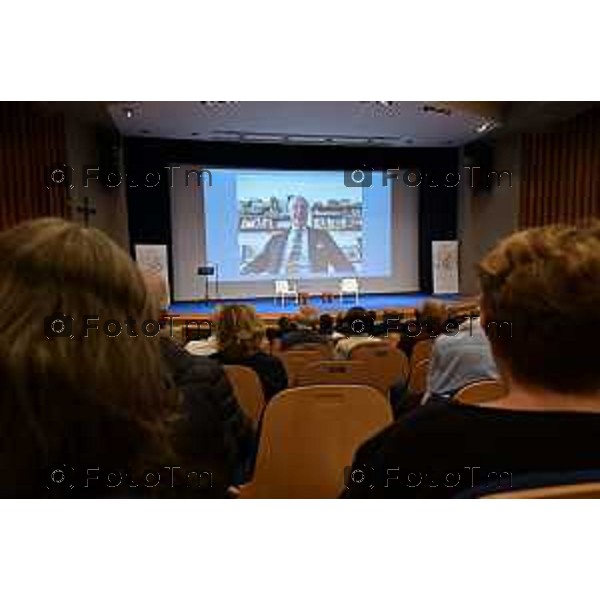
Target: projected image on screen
299, 235
263, 225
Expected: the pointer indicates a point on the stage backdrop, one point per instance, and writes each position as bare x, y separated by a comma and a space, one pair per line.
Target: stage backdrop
149, 204
242, 219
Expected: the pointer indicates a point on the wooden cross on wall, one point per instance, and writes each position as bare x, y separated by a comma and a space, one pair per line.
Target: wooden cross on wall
85, 208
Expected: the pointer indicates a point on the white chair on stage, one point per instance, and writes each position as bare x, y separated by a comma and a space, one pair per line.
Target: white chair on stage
285, 288
349, 285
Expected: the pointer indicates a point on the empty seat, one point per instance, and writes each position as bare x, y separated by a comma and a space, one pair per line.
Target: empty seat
417, 382
421, 351
572, 491
295, 360
481, 392
248, 391
389, 365
336, 372
309, 436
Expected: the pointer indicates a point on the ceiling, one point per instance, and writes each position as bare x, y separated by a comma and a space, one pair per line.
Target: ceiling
381, 123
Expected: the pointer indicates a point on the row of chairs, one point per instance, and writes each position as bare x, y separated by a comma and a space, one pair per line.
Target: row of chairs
309, 436
310, 433
371, 365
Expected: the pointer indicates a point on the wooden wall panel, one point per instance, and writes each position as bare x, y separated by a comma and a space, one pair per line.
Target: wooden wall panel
561, 173
29, 143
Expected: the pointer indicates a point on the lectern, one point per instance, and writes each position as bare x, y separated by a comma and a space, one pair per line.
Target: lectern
207, 271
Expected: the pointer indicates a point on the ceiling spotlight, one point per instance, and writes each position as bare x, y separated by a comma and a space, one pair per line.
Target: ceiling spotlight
128, 113
486, 126
437, 110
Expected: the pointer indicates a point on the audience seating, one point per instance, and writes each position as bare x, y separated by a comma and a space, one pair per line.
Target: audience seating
389, 365
294, 362
248, 391
338, 372
309, 435
421, 351
324, 349
417, 382
481, 392
572, 491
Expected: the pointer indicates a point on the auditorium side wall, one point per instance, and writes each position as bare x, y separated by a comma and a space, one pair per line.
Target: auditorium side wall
485, 218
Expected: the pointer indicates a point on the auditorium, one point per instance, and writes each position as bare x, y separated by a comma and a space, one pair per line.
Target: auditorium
300, 300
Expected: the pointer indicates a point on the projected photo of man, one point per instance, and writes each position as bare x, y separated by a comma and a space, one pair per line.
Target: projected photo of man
301, 249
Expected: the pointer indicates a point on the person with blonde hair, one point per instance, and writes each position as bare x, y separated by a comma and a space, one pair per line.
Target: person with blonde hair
240, 335
86, 408
540, 308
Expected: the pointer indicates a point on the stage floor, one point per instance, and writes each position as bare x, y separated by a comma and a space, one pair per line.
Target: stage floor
270, 307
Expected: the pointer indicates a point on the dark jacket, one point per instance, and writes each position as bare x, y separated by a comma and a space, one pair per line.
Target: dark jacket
322, 252
270, 370
214, 428
444, 450
300, 336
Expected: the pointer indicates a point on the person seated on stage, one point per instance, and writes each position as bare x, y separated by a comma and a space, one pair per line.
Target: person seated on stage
428, 324
357, 329
540, 308
459, 359
240, 334
80, 403
305, 332
301, 249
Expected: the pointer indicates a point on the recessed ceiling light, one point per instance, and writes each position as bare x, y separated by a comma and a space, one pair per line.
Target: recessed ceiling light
437, 110
262, 137
486, 126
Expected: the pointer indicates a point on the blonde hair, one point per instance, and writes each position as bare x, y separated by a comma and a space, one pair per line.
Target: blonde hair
541, 288
239, 330
87, 401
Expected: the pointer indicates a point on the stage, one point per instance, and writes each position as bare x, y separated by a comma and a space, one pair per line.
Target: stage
269, 308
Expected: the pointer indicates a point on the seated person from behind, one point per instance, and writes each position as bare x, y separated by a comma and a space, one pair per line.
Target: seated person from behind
427, 325
212, 419
94, 403
240, 334
204, 342
460, 359
357, 326
304, 332
301, 249
326, 325
544, 283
